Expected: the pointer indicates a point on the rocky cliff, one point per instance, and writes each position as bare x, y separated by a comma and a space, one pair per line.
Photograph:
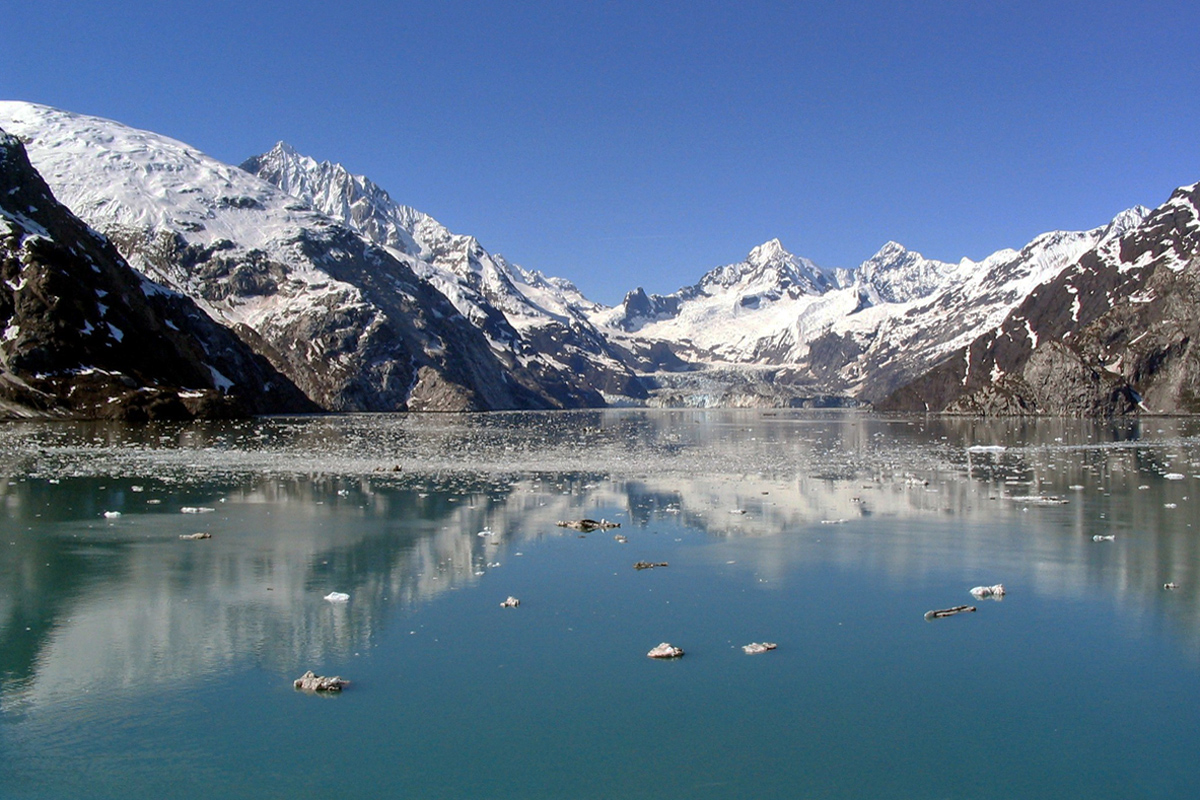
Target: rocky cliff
1115, 332
84, 335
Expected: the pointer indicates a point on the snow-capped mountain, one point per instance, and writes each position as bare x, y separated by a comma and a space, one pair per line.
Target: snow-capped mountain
349, 322
1114, 331
529, 319
367, 304
85, 335
858, 333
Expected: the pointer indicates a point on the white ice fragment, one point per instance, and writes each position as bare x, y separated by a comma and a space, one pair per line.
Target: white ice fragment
1174, 476
995, 592
111, 514
337, 597
1103, 537
665, 650
196, 510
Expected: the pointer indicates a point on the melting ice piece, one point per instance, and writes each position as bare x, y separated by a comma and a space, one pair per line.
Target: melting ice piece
666, 650
311, 682
337, 597
111, 514
754, 648
1104, 537
994, 592
948, 612
510, 602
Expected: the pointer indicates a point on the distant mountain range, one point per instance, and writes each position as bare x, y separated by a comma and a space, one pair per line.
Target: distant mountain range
320, 292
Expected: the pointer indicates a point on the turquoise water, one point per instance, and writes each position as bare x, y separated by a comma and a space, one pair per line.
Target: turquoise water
136, 664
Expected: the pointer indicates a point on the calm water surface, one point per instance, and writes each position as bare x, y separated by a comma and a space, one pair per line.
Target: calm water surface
134, 664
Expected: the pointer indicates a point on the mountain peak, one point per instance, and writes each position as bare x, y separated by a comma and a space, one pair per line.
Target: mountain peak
283, 148
771, 250
898, 274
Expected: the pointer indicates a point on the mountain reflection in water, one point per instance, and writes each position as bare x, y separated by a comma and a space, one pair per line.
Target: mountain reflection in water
391, 510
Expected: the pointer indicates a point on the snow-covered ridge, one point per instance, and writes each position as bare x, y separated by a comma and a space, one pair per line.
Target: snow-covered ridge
527, 317
350, 323
383, 289
857, 332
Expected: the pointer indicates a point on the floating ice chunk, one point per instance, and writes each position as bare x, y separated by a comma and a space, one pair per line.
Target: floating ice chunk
1174, 476
842, 521
137, 488
995, 592
665, 650
1099, 537
510, 602
948, 612
311, 682
1040, 499
588, 525
111, 514
196, 510
337, 597
195, 536
1171, 585
986, 448
754, 648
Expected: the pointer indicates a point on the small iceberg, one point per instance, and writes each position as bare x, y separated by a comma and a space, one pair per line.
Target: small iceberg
588, 525
995, 592
754, 648
311, 682
948, 612
665, 650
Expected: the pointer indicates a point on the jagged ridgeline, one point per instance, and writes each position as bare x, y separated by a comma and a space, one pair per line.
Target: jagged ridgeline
1115, 332
363, 303
87, 336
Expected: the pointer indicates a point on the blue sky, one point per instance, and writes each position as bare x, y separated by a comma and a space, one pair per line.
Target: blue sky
623, 144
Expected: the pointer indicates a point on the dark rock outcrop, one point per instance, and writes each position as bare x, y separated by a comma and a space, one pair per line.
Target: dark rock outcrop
1114, 333
86, 336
